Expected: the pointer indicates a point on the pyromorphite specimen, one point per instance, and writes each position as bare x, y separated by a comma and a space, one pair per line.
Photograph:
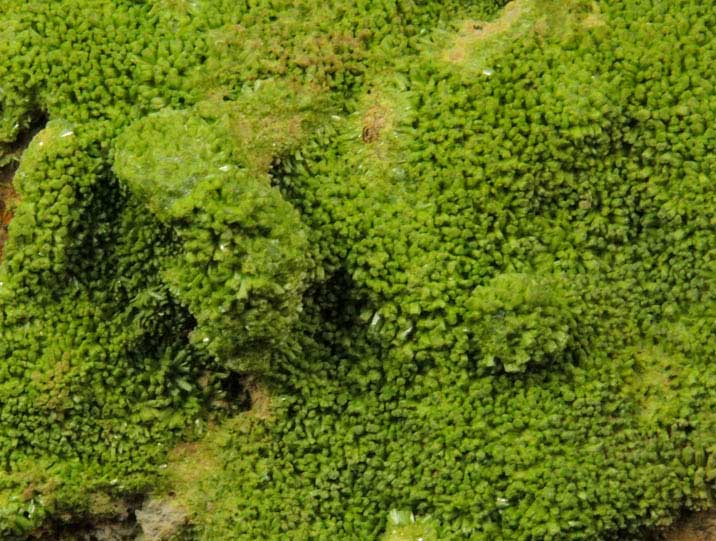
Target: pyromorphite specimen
454, 261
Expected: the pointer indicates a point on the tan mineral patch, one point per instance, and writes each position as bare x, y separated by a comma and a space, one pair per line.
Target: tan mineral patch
260, 400
373, 123
161, 520
478, 42
595, 19
8, 198
694, 527
473, 32
376, 120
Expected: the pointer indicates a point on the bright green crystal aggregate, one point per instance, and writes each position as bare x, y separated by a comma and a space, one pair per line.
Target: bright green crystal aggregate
455, 260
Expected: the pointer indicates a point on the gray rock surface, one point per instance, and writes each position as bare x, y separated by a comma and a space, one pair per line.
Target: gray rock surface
160, 520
